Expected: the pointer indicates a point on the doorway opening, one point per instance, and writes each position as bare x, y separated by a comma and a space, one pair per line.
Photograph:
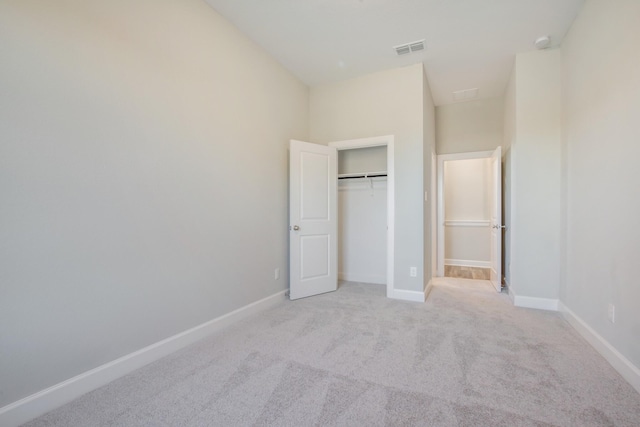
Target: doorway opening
366, 210
469, 220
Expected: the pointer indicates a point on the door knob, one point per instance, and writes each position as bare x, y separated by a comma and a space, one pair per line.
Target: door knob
296, 228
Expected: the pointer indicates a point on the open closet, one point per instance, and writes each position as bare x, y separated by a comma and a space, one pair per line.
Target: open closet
362, 214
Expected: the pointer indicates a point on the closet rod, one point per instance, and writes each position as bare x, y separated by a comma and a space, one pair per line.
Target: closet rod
367, 175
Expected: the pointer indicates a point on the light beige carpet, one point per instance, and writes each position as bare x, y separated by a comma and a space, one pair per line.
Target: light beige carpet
466, 357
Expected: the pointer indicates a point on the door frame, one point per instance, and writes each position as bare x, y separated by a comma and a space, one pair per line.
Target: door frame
441, 219
378, 141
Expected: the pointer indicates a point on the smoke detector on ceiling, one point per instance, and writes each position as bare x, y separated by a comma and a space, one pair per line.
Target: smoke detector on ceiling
412, 47
542, 42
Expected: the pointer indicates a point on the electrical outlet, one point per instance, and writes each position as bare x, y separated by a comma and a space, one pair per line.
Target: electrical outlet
611, 313
276, 273
413, 272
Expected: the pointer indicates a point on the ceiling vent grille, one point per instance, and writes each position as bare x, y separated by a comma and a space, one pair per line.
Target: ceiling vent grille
463, 95
405, 49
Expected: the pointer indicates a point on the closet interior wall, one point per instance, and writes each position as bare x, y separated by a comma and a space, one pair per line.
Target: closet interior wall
362, 216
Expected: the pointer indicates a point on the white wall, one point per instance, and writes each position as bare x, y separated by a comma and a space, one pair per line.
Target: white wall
362, 216
369, 159
385, 103
536, 176
601, 78
362, 231
466, 207
469, 126
466, 185
143, 178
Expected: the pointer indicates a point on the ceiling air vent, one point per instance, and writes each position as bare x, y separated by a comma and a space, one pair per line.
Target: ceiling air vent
417, 46
407, 48
463, 95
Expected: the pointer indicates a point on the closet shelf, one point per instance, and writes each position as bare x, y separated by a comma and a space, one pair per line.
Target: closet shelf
362, 175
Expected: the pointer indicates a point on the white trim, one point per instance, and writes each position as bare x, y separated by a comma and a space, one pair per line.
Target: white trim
375, 141
538, 303
428, 289
628, 370
415, 296
467, 223
39, 403
466, 156
440, 190
467, 263
388, 141
363, 278
533, 302
432, 198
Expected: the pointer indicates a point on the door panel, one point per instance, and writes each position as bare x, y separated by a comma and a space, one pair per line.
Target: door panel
496, 219
315, 255
314, 195
313, 219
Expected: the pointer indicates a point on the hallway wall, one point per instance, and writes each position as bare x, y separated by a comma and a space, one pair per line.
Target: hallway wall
467, 212
469, 126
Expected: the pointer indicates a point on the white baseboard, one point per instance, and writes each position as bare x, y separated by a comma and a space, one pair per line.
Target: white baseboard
427, 289
533, 302
363, 278
628, 370
37, 404
415, 296
467, 263
538, 303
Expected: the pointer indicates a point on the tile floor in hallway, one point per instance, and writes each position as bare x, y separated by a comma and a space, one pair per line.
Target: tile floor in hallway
463, 272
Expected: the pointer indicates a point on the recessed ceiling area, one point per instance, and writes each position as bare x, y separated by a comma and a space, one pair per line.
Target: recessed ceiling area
469, 43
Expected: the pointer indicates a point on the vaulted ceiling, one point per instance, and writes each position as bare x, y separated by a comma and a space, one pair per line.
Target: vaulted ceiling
469, 43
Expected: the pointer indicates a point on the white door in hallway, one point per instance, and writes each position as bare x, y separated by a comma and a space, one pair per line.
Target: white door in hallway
496, 219
313, 226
